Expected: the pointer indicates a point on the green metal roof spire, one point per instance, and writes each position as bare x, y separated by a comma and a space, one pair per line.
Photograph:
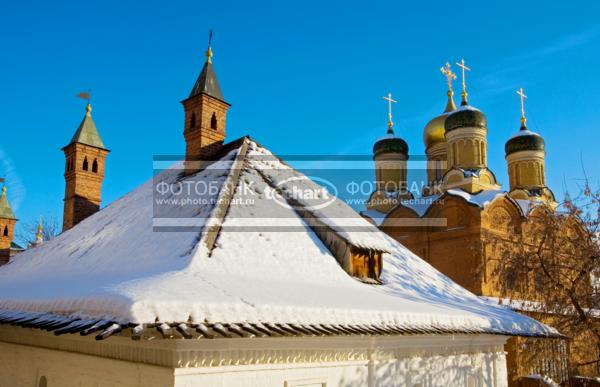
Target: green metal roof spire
5, 211
207, 81
87, 133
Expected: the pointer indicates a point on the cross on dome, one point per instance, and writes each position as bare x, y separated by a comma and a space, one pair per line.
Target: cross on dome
390, 122
450, 76
523, 98
464, 68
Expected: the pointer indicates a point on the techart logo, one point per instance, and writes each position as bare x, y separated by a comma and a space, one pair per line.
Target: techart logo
308, 193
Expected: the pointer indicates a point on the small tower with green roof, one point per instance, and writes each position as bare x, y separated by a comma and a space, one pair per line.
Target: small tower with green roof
7, 227
84, 172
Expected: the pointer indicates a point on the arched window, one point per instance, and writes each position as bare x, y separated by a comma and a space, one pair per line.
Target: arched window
455, 157
213, 121
193, 121
5, 233
43, 382
483, 156
95, 166
85, 164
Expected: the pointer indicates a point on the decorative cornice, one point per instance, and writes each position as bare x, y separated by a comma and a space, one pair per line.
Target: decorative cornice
268, 351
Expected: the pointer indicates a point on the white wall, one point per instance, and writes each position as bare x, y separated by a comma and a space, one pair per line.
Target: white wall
425, 361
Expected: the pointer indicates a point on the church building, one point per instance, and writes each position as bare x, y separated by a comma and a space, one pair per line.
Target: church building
246, 284
462, 213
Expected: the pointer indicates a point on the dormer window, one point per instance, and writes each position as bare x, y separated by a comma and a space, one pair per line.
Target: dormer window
213, 121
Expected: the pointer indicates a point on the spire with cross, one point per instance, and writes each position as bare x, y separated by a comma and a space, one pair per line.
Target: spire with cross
209, 52
464, 68
523, 119
388, 98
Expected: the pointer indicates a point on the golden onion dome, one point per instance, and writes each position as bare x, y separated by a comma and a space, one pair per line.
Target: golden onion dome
434, 132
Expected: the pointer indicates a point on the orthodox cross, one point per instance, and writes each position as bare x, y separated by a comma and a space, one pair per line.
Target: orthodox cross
523, 97
390, 100
464, 83
450, 76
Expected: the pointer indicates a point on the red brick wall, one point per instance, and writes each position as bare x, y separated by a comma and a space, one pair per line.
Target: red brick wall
83, 187
201, 139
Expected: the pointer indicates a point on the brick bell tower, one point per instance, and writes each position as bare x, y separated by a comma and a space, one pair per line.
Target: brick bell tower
7, 227
84, 172
205, 115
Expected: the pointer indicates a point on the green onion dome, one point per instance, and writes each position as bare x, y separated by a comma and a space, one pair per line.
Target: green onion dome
525, 140
390, 144
465, 116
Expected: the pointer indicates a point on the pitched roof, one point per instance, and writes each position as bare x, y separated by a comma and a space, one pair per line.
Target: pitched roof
207, 83
16, 246
6, 211
244, 253
87, 133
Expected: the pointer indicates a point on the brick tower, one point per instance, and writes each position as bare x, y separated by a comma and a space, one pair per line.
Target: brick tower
84, 172
205, 114
7, 227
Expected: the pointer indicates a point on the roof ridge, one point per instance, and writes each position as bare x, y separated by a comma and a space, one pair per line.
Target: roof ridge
217, 216
309, 217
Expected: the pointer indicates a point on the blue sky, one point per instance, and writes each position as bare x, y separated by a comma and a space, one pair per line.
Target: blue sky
303, 77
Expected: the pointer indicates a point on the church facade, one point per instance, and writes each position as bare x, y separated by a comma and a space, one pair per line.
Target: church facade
463, 216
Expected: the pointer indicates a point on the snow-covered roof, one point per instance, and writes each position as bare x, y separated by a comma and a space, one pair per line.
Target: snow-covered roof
249, 262
524, 132
420, 205
480, 199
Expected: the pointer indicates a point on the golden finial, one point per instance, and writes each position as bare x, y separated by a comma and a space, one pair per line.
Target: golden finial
209, 52
39, 236
390, 122
87, 95
464, 83
523, 97
3, 190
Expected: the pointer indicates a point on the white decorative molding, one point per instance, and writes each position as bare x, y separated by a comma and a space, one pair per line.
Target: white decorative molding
180, 353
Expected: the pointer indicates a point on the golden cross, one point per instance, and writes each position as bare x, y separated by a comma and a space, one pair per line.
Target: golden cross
390, 100
464, 83
450, 76
523, 97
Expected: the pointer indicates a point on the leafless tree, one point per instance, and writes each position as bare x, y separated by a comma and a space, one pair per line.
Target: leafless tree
27, 232
552, 268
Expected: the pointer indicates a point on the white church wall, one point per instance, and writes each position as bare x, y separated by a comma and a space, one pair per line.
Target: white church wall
424, 361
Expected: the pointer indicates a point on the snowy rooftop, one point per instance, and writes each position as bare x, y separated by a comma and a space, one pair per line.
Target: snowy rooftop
524, 132
247, 262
